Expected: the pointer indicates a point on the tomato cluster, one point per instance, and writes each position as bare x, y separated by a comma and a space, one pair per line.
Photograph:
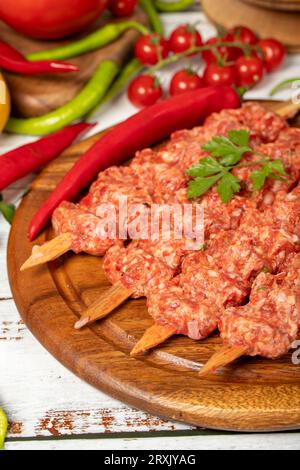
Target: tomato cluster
237, 59
122, 8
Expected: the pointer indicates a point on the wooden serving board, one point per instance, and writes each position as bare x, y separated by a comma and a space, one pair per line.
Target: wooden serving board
40, 94
253, 394
284, 5
281, 25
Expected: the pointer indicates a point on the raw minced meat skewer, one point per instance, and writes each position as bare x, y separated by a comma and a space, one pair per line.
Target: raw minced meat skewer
94, 312
268, 324
193, 302
78, 225
161, 173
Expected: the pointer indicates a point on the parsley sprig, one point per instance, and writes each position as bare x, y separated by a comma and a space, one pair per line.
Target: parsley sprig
225, 155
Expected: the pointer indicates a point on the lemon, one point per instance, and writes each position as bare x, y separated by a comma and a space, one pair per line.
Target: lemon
3, 428
4, 103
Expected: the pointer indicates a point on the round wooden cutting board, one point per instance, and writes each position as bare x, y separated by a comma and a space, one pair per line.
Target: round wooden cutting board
250, 395
282, 25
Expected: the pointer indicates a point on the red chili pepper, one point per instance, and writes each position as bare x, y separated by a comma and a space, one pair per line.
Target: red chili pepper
12, 61
145, 128
23, 160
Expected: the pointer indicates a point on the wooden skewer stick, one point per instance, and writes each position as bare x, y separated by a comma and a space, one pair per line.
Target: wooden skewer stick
152, 337
226, 355
49, 251
114, 297
288, 109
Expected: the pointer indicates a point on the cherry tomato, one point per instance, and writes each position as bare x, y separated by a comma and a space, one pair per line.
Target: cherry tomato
244, 35
144, 90
121, 8
250, 70
150, 48
226, 53
50, 19
183, 38
185, 80
215, 74
273, 52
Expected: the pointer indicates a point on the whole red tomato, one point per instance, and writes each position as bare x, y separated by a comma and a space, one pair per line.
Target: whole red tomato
215, 74
150, 48
273, 52
244, 35
144, 91
250, 70
183, 38
185, 80
50, 19
226, 53
122, 8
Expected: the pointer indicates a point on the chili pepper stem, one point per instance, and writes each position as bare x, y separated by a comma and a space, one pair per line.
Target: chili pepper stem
155, 21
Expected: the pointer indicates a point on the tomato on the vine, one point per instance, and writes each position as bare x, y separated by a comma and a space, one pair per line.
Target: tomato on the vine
144, 90
150, 48
273, 53
221, 52
183, 38
121, 8
185, 80
250, 70
244, 35
215, 74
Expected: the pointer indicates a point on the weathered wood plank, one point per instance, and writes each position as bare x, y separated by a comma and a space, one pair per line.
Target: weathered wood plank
192, 443
42, 398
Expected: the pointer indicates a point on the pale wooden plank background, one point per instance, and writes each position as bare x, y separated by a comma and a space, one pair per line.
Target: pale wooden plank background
45, 401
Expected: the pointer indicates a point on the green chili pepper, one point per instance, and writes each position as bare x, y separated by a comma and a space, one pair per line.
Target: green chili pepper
179, 5
96, 40
86, 100
130, 69
282, 85
150, 10
3, 428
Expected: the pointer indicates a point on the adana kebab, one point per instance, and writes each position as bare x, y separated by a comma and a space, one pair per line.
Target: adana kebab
169, 331
121, 264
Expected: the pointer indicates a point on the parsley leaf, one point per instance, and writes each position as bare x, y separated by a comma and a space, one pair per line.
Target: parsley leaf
228, 185
200, 185
272, 169
226, 152
230, 149
206, 167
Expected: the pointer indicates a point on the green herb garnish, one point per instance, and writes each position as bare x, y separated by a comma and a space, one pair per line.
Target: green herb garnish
225, 155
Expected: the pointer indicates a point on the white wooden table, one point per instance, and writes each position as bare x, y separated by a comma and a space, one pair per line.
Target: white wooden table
47, 406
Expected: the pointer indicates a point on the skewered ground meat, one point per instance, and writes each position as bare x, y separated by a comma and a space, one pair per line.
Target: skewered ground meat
136, 269
69, 218
168, 307
269, 323
224, 273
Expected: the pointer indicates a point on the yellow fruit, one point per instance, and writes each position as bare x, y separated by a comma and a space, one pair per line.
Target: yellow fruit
3, 428
4, 103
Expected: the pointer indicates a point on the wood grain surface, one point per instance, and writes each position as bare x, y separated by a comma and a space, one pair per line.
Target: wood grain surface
281, 25
38, 95
251, 395
284, 5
